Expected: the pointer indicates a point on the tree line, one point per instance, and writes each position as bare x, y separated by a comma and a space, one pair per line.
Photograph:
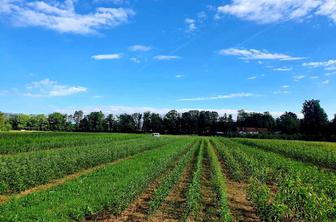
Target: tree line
314, 123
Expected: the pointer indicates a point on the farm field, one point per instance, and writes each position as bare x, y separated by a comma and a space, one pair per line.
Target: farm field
134, 177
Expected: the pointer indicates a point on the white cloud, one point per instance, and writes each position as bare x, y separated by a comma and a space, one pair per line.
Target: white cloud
298, 78
141, 48
191, 25
115, 2
313, 77
330, 64
285, 86
252, 78
166, 57
330, 74
283, 69
325, 82
49, 88
135, 60
62, 17
281, 92
328, 8
254, 54
106, 57
271, 11
228, 96
179, 76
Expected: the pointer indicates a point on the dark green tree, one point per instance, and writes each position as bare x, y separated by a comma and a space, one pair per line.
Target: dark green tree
96, 121
57, 121
315, 119
288, 123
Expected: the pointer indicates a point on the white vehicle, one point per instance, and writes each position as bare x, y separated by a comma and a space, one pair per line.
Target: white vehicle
156, 134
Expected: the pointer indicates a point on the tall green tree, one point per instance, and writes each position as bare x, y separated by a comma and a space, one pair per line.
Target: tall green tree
126, 123
288, 123
57, 121
146, 125
171, 122
96, 121
77, 118
110, 123
20, 121
315, 119
4, 123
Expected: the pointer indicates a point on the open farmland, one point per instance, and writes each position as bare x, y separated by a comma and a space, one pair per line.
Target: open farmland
133, 177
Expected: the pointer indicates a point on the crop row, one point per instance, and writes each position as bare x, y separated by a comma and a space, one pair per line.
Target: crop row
220, 184
11, 143
26, 170
285, 189
193, 195
318, 153
107, 189
162, 191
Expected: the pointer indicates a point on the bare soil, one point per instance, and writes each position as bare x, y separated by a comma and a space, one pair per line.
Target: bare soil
210, 209
174, 206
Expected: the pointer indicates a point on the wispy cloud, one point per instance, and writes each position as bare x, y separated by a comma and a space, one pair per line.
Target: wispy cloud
330, 74
299, 77
325, 82
271, 11
228, 96
62, 17
179, 76
166, 57
327, 65
254, 54
283, 69
49, 88
285, 86
135, 60
281, 92
252, 78
314, 77
140, 48
106, 57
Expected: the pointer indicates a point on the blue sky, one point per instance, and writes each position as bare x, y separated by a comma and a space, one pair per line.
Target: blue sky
131, 56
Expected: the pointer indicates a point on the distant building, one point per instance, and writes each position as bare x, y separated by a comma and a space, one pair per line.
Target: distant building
156, 134
251, 130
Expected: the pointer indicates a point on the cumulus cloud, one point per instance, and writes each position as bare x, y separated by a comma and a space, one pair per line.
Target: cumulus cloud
62, 17
191, 25
166, 57
254, 54
270, 11
228, 96
106, 57
49, 88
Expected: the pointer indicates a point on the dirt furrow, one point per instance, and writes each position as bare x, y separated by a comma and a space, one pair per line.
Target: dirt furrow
241, 208
173, 207
210, 209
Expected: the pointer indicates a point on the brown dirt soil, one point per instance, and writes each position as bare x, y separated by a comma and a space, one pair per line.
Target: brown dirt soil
241, 208
210, 209
173, 207
138, 210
